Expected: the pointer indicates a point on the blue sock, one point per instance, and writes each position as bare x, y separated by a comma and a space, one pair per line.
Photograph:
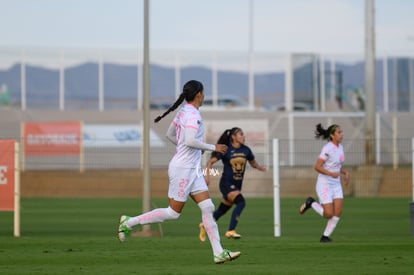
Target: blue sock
221, 211
240, 204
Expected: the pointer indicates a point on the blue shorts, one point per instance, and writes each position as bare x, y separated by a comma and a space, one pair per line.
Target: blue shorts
225, 189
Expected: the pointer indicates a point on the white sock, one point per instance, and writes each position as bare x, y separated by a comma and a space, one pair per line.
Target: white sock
154, 216
330, 226
318, 208
207, 209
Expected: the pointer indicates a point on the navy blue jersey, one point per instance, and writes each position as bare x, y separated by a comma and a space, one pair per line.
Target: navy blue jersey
234, 161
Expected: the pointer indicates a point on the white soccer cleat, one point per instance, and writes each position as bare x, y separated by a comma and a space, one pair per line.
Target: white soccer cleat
226, 256
123, 229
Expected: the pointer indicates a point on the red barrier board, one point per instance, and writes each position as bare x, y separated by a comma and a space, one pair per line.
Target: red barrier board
52, 139
7, 178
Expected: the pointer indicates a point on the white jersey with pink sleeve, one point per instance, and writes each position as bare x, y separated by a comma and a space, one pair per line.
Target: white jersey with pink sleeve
333, 157
189, 118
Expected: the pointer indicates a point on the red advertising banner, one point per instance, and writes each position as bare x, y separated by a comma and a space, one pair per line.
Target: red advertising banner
52, 139
7, 178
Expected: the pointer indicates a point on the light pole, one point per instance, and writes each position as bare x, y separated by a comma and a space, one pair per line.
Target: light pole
370, 81
146, 193
251, 71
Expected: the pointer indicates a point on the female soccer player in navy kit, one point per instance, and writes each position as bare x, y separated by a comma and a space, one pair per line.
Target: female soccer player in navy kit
184, 171
234, 166
328, 185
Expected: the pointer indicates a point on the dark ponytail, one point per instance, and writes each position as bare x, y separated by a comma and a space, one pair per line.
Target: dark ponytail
325, 134
172, 108
225, 138
190, 89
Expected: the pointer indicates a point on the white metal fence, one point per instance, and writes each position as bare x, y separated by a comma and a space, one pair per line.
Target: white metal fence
103, 79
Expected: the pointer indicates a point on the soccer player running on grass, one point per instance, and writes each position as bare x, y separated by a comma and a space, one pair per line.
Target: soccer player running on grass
234, 166
328, 184
184, 171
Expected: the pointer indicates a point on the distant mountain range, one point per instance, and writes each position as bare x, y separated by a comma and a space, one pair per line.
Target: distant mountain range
120, 82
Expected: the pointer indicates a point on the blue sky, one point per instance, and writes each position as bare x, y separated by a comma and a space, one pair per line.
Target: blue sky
321, 26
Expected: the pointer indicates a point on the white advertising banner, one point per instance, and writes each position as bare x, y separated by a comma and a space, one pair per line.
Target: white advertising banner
113, 135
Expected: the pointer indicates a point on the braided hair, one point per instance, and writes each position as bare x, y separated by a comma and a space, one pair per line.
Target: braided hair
325, 134
190, 90
225, 138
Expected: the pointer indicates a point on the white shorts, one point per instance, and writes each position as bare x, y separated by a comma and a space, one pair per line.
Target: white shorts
185, 181
328, 192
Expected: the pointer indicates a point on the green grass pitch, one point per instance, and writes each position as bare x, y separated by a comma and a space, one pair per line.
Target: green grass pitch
78, 236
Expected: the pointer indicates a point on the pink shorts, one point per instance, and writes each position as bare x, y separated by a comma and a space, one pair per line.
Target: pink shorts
185, 181
328, 192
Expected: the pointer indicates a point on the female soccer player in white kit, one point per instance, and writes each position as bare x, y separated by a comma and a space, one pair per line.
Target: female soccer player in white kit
328, 185
184, 171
